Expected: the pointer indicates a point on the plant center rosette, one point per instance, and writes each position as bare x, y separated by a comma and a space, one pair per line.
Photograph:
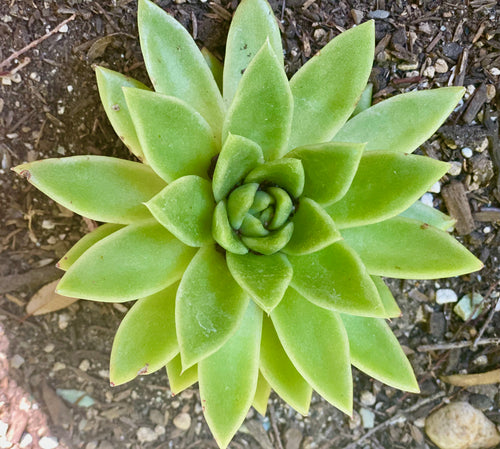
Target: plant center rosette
257, 229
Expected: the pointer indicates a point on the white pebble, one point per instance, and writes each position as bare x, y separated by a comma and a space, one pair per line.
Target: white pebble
435, 188
455, 168
367, 398
182, 421
63, 321
64, 28
441, 66
495, 71
48, 443
69, 88
146, 435
16, 361
445, 296
487, 230
367, 417
427, 199
430, 71
3, 428
84, 365
466, 152
26, 440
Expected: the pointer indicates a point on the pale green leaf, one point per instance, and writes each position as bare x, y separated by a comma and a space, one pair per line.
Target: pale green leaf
265, 278
402, 122
228, 378
175, 139
97, 187
175, 65
385, 184
376, 351
280, 372
253, 23
316, 342
263, 105
283, 207
215, 66
271, 243
391, 307
252, 227
210, 306
145, 340
131, 263
427, 214
185, 207
178, 379
335, 278
365, 100
262, 394
239, 202
223, 233
326, 89
408, 249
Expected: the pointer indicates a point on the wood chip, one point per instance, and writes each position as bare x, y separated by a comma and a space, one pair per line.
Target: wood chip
475, 104
469, 380
458, 207
488, 215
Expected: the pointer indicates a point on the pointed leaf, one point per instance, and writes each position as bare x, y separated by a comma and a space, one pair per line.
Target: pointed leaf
408, 249
327, 88
178, 379
228, 378
391, 307
329, 169
402, 122
215, 66
210, 306
145, 340
262, 394
133, 262
316, 342
223, 233
365, 100
265, 278
385, 184
85, 243
263, 105
98, 187
175, 139
335, 278
426, 214
376, 351
239, 202
185, 207
280, 372
253, 23
110, 85
313, 229
271, 243
237, 158
175, 65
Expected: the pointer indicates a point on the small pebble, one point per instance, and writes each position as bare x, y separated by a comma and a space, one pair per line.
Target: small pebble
467, 152
157, 417
63, 321
26, 440
427, 199
48, 224
487, 229
58, 366
182, 421
367, 417
445, 296
495, 71
319, 34
16, 361
481, 360
490, 92
435, 188
84, 365
441, 66
64, 28
469, 308
429, 72
3, 428
146, 435
378, 14
160, 430
69, 88
48, 443
120, 307
357, 16
367, 398
455, 168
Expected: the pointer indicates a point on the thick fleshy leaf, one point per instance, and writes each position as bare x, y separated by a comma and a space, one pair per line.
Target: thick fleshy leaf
271, 243
185, 207
223, 233
97, 187
253, 23
280, 372
426, 214
228, 378
85, 243
263, 105
313, 229
391, 307
237, 158
326, 89
215, 66
239, 203
408, 249
335, 278
262, 394
316, 342
178, 379
175, 139
110, 85
329, 169
376, 351
283, 207
365, 100
175, 65
265, 278
145, 340
205, 317
132, 263
402, 122
287, 173
385, 185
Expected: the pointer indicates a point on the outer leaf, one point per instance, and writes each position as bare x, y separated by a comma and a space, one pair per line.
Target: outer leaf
176, 66
205, 318
178, 379
145, 340
262, 394
402, 122
215, 66
329, 169
98, 187
85, 243
408, 249
313, 229
271, 243
253, 23
185, 208
237, 158
317, 346
134, 262
176, 140
391, 307
280, 371
365, 100
335, 278
426, 214
385, 184
223, 232
376, 351
110, 85
228, 378
263, 105
265, 278
327, 88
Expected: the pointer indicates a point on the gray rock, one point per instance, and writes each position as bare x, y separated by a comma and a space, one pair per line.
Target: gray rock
378, 14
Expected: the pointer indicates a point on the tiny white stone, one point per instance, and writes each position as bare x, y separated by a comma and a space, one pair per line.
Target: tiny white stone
467, 152
120, 307
26, 440
430, 71
48, 443
367, 398
182, 421
487, 230
495, 71
16, 361
64, 28
69, 88
441, 66
367, 417
58, 366
427, 199
48, 224
84, 365
435, 188
160, 430
481, 360
455, 169
63, 321
146, 435
3, 428
104, 373
445, 296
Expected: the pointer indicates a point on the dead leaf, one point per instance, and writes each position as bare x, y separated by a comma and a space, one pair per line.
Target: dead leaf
469, 380
46, 300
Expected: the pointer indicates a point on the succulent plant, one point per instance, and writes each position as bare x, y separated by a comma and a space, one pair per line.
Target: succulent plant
256, 230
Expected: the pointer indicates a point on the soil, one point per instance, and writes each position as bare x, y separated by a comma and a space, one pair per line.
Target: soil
49, 107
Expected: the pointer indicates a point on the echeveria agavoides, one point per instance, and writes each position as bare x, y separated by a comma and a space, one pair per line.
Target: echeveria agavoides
255, 230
